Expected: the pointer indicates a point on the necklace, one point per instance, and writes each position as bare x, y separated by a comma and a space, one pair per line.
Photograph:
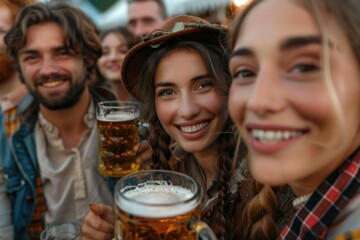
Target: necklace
300, 201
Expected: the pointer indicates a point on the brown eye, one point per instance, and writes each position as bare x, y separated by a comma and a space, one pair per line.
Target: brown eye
304, 68
243, 76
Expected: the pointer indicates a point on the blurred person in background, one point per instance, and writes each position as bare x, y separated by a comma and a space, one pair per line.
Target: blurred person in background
12, 101
115, 44
51, 175
12, 91
144, 16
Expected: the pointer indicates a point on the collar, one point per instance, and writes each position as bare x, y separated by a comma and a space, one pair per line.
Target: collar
49, 128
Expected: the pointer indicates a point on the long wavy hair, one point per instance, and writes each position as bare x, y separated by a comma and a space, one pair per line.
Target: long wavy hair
215, 59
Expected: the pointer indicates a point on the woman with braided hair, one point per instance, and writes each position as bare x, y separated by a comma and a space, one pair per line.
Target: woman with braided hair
295, 99
183, 85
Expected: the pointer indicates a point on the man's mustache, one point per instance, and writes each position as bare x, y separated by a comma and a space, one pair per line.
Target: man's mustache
52, 77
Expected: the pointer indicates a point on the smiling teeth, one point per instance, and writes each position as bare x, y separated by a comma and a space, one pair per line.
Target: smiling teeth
274, 136
194, 128
52, 84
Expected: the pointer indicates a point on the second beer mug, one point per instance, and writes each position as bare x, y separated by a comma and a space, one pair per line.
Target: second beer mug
158, 205
118, 134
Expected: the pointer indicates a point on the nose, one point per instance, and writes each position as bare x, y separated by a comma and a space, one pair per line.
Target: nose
267, 94
188, 107
140, 30
113, 55
48, 66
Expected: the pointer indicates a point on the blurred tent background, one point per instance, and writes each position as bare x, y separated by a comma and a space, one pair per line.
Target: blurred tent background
111, 13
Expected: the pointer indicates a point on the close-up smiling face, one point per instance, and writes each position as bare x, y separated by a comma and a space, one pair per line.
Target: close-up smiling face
54, 74
114, 50
297, 126
189, 107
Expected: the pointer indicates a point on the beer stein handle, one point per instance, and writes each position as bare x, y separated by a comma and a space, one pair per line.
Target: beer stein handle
202, 229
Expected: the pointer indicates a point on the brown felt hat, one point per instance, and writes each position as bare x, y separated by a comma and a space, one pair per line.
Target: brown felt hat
178, 28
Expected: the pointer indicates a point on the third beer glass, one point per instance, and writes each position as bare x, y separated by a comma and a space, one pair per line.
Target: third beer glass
118, 134
158, 205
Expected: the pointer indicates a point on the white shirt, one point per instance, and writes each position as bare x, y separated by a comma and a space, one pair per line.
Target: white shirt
69, 176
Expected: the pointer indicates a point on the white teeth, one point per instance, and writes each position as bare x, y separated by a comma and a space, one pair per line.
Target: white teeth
194, 128
52, 84
271, 136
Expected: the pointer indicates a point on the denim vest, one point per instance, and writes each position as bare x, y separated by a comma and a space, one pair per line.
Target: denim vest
9, 168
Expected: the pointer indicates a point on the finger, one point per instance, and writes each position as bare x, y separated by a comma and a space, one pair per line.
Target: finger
104, 211
96, 227
142, 146
145, 157
91, 233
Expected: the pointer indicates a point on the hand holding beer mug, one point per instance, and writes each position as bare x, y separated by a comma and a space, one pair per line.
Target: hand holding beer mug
158, 205
118, 134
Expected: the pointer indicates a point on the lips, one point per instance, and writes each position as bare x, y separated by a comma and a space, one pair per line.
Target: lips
268, 139
113, 67
52, 84
52, 80
274, 136
194, 128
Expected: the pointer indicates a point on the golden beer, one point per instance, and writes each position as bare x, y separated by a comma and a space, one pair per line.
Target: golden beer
166, 215
117, 134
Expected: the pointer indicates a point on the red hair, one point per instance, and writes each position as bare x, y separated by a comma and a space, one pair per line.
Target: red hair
15, 6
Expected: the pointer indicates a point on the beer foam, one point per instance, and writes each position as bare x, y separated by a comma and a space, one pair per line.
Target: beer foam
155, 201
117, 117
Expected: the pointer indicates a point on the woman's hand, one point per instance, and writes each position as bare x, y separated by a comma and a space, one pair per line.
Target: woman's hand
99, 223
144, 156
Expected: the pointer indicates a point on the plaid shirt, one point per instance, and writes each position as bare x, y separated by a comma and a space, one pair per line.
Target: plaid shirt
316, 216
11, 122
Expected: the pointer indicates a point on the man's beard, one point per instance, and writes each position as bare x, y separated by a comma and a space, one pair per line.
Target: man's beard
6, 67
68, 100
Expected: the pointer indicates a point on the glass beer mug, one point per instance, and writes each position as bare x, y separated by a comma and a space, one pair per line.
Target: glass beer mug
158, 205
118, 134
61, 231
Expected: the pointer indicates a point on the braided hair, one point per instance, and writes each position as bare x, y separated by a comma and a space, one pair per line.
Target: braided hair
216, 59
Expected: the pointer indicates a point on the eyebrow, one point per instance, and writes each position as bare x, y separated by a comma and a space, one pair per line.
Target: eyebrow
242, 52
301, 41
30, 51
288, 44
34, 51
192, 80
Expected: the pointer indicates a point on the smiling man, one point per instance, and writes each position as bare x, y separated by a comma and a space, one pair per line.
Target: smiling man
55, 47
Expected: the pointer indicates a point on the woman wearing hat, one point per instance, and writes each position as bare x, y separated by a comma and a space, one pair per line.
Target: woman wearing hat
183, 85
